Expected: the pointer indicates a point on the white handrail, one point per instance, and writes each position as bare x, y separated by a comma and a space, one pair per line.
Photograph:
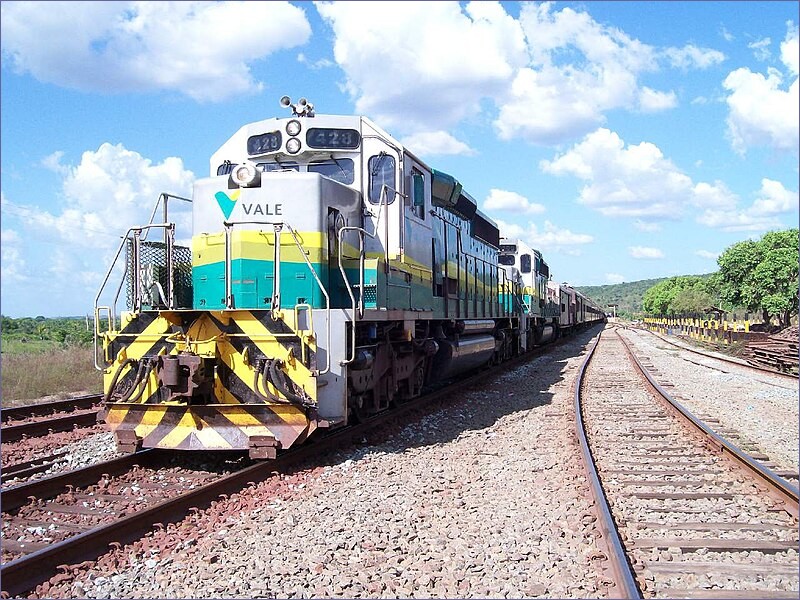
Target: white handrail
136, 300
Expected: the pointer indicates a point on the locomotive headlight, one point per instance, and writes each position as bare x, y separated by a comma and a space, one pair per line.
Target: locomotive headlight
246, 175
293, 145
293, 127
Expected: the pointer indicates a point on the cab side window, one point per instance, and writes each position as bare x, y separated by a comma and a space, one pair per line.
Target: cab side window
381, 172
525, 263
416, 194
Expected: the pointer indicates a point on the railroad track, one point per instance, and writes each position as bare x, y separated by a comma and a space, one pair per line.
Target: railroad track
721, 358
34, 420
96, 502
686, 513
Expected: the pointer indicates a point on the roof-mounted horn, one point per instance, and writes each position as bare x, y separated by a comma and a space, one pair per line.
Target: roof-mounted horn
303, 108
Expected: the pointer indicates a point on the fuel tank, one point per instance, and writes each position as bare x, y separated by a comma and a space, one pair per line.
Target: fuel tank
545, 335
467, 353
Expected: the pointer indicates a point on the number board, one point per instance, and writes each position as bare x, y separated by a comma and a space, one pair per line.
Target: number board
323, 137
263, 143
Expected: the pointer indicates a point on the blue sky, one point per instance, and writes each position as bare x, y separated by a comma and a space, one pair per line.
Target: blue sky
625, 140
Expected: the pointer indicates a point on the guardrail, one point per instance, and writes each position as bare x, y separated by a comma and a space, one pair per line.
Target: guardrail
705, 330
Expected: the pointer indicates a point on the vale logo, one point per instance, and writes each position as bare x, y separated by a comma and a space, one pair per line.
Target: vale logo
227, 203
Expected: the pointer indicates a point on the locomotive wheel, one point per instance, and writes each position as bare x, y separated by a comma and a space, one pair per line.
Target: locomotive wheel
359, 409
411, 387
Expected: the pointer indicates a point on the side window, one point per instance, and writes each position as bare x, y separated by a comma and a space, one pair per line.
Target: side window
381, 172
417, 194
525, 263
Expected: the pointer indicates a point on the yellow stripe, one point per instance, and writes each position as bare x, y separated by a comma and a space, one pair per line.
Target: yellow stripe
184, 427
210, 438
141, 343
257, 245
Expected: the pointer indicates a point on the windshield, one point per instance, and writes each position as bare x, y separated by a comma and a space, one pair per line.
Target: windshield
507, 259
338, 169
269, 167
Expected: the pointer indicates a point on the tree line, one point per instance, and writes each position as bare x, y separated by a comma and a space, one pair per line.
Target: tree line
63, 331
758, 276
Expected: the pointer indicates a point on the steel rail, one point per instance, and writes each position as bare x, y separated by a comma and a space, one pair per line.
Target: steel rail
30, 467
46, 408
785, 491
739, 362
23, 574
621, 568
18, 495
14, 433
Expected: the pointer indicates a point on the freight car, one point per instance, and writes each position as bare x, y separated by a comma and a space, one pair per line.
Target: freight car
332, 273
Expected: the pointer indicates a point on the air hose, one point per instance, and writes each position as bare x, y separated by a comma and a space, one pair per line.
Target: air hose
269, 372
140, 378
279, 380
114, 380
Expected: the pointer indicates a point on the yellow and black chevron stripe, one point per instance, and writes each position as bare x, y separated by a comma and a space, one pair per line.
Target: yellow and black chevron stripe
244, 404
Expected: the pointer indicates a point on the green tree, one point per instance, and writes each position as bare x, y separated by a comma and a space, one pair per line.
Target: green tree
680, 295
763, 275
656, 300
736, 265
691, 300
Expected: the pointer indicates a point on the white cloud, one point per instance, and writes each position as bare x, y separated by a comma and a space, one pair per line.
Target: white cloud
551, 74
315, 65
637, 181
432, 143
107, 191
716, 196
760, 48
578, 69
614, 278
419, 65
654, 101
510, 230
737, 221
765, 110
645, 252
512, 202
707, 254
548, 238
52, 162
690, 56
774, 199
726, 35
790, 49
12, 265
646, 226
201, 49
110, 190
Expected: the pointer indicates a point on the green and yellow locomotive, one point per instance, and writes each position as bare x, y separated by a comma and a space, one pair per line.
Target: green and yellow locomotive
332, 273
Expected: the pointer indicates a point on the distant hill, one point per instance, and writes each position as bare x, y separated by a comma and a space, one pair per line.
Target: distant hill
628, 295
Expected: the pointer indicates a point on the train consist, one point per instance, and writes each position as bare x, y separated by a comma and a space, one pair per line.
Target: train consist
332, 273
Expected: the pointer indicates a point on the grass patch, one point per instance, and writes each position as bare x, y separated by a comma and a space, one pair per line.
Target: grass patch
26, 346
48, 371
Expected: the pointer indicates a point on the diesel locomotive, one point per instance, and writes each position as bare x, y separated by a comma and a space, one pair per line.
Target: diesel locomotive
331, 273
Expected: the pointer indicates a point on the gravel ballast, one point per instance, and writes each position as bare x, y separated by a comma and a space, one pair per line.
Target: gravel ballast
485, 497
761, 407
